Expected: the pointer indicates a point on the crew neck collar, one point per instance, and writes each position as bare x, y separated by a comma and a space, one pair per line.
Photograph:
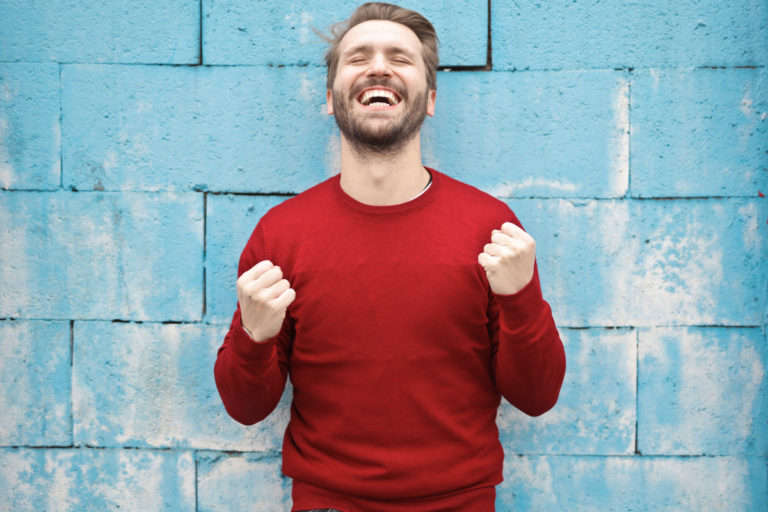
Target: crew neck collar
423, 198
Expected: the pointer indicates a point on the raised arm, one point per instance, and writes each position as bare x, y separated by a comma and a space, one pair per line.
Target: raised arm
252, 364
529, 360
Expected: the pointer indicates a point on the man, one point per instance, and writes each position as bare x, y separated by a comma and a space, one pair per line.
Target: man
402, 303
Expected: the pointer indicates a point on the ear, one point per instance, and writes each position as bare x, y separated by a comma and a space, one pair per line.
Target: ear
329, 102
431, 97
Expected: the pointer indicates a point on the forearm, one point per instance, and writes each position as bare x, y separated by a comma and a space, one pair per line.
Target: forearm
249, 375
530, 360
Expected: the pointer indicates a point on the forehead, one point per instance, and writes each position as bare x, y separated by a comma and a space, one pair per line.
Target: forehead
380, 34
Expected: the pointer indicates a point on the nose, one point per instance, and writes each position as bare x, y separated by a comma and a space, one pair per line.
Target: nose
379, 66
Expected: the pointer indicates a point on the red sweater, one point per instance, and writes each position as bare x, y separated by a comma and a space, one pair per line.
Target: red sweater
397, 349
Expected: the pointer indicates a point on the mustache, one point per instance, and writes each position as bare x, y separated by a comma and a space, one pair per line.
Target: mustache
377, 82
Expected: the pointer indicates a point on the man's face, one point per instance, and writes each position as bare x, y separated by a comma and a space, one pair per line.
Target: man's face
380, 94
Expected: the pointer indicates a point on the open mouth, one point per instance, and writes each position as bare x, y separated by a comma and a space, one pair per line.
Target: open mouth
378, 98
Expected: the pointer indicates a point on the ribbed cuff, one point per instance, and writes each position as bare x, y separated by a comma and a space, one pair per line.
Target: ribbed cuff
244, 346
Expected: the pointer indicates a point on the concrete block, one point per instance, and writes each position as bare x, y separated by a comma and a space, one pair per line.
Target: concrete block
94, 31
283, 33
29, 126
703, 391
533, 134
564, 34
35, 383
142, 385
85, 255
230, 220
238, 482
596, 410
699, 132
229, 129
648, 263
83, 479
639, 484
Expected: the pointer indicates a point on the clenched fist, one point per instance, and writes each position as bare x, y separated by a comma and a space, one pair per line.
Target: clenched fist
264, 298
508, 260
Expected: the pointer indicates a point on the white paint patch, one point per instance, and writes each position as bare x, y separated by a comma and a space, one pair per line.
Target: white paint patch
707, 391
673, 278
56, 166
612, 223
144, 106
110, 161
17, 473
15, 351
655, 75
333, 154
428, 154
602, 365
679, 274
746, 104
17, 289
619, 146
751, 233
59, 466
7, 173
5, 92
509, 189
236, 476
309, 90
93, 227
711, 371
535, 475
700, 483
303, 22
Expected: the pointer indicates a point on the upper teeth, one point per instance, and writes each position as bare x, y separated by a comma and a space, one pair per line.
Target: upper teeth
381, 93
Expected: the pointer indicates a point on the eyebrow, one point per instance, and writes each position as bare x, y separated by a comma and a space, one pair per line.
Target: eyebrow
367, 48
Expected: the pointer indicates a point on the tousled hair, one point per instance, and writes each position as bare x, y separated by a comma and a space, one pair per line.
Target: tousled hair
368, 11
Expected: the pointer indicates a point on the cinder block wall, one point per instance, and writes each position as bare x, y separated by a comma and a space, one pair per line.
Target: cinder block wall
141, 141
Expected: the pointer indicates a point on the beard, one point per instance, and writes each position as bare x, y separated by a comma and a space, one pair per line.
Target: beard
388, 138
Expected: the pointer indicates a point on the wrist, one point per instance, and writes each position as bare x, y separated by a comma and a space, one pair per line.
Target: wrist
253, 337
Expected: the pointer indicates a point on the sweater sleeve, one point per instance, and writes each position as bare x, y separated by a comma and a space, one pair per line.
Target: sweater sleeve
250, 376
529, 359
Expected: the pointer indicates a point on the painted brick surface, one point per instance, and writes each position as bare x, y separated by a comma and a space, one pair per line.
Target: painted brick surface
152, 385
35, 384
692, 262
700, 132
76, 480
596, 410
141, 143
255, 480
687, 380
93, 31
642, 484
101, 255
566, 34
284, 32
158, 127
29, 126
533, 134
230, 222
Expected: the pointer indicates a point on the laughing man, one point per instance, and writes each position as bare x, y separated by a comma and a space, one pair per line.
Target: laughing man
401, 303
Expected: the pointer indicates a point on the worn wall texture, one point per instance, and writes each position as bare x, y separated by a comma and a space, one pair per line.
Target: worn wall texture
141, 141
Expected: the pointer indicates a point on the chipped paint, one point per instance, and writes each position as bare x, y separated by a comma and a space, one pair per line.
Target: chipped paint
7, 173
619, 147
122, 169
510, 189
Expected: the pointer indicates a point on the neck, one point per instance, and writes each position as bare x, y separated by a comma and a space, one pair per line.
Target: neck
382, 179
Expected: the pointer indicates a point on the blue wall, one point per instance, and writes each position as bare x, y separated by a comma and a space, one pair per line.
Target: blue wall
141, 141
